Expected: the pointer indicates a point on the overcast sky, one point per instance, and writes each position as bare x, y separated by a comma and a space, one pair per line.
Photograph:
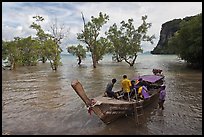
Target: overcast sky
17, 16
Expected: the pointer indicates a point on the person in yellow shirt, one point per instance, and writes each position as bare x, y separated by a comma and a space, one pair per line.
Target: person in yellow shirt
126, 84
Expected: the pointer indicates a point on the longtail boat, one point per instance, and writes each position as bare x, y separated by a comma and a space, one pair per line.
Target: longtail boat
109, 109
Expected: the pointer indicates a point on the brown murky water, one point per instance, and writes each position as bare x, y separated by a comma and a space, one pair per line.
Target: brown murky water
36, 100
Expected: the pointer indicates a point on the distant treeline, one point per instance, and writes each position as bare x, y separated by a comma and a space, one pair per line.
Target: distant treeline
123, 42
29, 51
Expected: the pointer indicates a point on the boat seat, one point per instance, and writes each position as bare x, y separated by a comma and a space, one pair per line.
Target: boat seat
119, 97
122, 95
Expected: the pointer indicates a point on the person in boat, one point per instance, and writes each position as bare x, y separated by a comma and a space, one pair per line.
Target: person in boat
126, 85
109, 87
162, 95
143, 92
142, 89
139, 84
133, 89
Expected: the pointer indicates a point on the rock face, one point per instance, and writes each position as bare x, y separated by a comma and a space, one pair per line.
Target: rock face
167, 31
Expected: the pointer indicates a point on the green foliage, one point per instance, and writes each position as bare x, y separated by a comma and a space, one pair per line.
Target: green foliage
126, 40
10, 52
90, 36
102, 48
49, 46
21, 51
5, 50
114, 35
188, 41
78, 51
29, 50
41, 36
52, 53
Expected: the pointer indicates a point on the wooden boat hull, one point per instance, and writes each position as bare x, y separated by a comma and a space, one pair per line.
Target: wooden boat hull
109, 109
113, 108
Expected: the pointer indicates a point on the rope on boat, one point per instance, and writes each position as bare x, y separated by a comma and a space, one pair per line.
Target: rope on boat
93, 103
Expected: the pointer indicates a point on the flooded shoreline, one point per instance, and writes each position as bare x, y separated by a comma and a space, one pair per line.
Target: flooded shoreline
36, 100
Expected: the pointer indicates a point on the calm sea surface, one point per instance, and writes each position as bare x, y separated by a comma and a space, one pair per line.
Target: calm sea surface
37, 100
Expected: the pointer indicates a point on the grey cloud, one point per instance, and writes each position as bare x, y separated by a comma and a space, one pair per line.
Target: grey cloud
16, 14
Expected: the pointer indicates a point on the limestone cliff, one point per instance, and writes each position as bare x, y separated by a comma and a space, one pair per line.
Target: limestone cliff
167, 31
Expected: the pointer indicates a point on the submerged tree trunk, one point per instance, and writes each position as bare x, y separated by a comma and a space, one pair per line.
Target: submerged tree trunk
43, 59
79, 63
131, 63
118, 59
53, 65
13, 65
94, 60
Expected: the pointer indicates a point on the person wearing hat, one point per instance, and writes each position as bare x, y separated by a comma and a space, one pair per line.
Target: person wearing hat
162, 96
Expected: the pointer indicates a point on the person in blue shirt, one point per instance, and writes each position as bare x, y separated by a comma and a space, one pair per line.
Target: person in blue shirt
109, 89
